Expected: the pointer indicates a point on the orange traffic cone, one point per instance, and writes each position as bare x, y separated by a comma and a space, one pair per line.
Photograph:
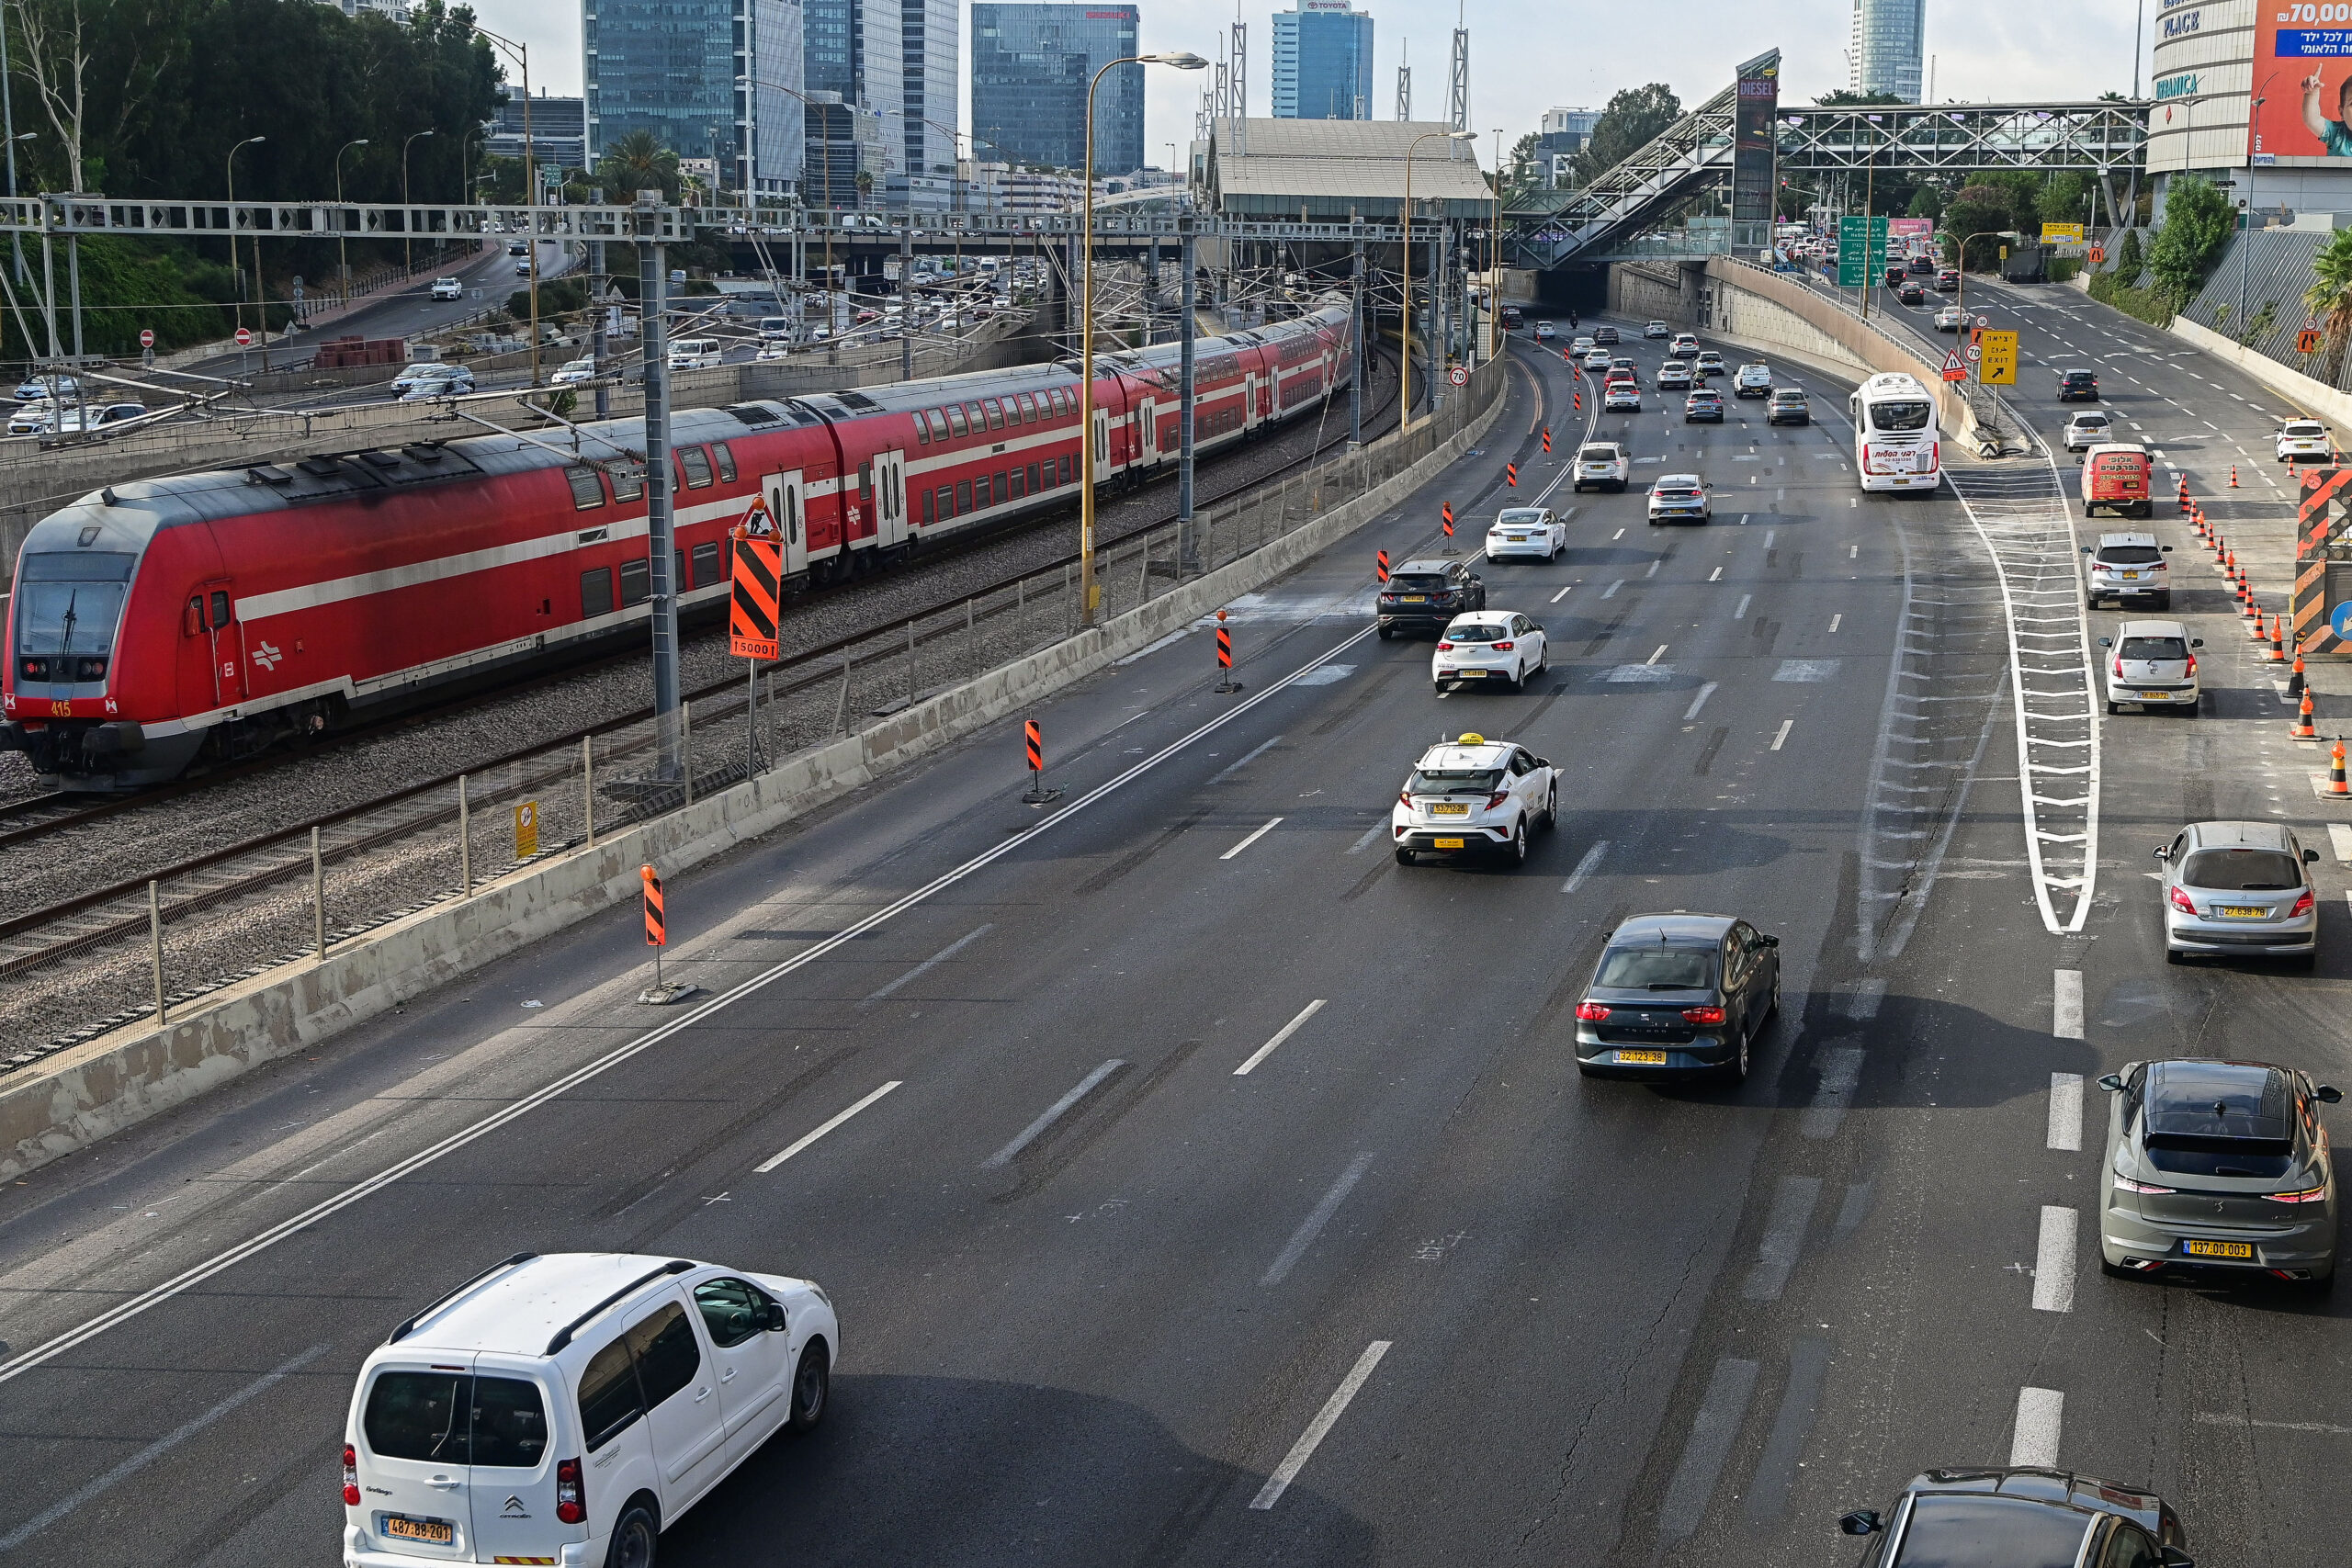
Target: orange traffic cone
2302, 729
2336, 785
2184, 493
2276, 653
2295, 680
2233, 476
2254, 629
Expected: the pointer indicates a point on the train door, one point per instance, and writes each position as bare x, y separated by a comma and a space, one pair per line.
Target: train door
212, 654
1147, 417
1249, 401
1102, 439
783, 491
890, 499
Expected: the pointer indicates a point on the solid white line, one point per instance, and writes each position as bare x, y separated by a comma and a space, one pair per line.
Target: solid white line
1786, 725
227, 1257
942, 957
1699, 701
1287, 1029
1053, 1114
1617, 536
1562, 593
1320, 1427
1250, 840
1654, 658
809, 1138
1369, 835
2339, 840
154, 1451
1741, 614
1312, 1226
2066, 1110
2035, 1440
2066, 1004
1586, 867
2054, 1260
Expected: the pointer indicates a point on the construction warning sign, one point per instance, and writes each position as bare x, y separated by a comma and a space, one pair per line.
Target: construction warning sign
2000, 365
2307, 341
759, 589
1954, 370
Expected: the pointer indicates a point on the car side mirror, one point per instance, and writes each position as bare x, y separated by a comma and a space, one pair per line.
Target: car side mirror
2167, 550
2310, 857
2163, 852
2086, 549
2174, 1556
2112, 1083
2196, 642
1542, 761
776, 1317
1862, 1521
2106, 642
2328, 1094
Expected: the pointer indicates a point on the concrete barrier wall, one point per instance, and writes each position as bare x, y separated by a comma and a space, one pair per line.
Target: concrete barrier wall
1856, 341
2315, 397
124, 1077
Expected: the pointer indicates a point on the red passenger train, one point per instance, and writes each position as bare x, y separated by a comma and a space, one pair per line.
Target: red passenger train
163, 622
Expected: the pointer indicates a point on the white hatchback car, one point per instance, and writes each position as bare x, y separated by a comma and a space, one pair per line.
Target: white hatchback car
1543, 332
1683, 344
2151, 664
1582, 346
1603, 463
1622, 397
1679, 498
1655, 329
1489, 647
2305, 440
1530, 531
566, 1409
2087, 429
1597, 359
1474, 795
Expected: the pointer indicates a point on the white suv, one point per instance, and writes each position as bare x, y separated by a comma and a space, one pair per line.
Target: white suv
2304, 440
2125, 567
566, 1409
1473, 795
1683, 345
1603, 463
448, 288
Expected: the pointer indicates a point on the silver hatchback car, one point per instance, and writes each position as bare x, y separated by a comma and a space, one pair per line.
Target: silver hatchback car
2152, 663
2239, 888
2221, 1165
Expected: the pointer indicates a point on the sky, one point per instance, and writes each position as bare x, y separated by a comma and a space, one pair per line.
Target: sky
1530, 55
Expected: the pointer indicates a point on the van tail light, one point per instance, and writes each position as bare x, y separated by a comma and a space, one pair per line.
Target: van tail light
350, 1476
1702, 1015
1591, 1012
2180, 900
2304, 905
1497, 798
1505, 647
571, 1495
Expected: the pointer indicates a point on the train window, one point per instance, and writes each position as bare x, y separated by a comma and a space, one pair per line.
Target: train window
596, 593
195, 626
947, 500
792, 513
697, 463
636, 582
1033, 476
629, 481
938, 423
979, 417
1019, 489
587, 490
864, 481
1028, 409
705, 565
929, 511
679, 580
996, 414
725, 459
1065, 471
963, 495
1002, 494
922, 430
955, 418
219, 611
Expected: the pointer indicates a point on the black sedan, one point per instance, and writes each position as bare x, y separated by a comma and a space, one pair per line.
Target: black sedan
1678, 996
2004, 1517
1912, 294
2078, 385
1705, 403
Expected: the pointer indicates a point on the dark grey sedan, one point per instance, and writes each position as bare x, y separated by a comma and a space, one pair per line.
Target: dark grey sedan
2017, 1517
2217, 1165
1675, 996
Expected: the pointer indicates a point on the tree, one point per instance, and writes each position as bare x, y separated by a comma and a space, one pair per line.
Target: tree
2112, 97
2129, 261
2328, 299
1927, 202
1842, 99
2062, 197
637, 161
2198, 223
1523, 169
1635, 115
1977, 216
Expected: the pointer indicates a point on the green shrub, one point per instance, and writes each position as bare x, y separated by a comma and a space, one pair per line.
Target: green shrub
2148, 305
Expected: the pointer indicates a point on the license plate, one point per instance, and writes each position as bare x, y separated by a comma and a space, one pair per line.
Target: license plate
1443, 810
1470, 674
1412, 599
434, 1532
2242, 911
2128, 576
1641, 1058
2218, 1248
2160, 696
1514, 539
1449, 844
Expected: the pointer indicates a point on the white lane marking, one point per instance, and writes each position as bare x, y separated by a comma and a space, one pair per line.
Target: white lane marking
808, 1138
1610, 591
1741, 614
1654, 658
1250, 840
2065, 1111
1841, 1071
154, 1451
1862, 1005
1783, 1238
2339, 840
934, 962
1618, 534
1716, 575
1770, 534
1247, 758
2204, 1419
2066, 1004
1285, 1033
1654, 566
1369, 835
1852, 551
2054, 1260
262, 1241
1836, 620
1587, 866
1320, 1427
1562, 593
1312, 1226
1786, 725
1699, 701
1053, 1114
2035, 1440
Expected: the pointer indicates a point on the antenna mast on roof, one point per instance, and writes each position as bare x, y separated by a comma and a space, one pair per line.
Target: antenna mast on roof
1457, 97
1405, 82
1240, 78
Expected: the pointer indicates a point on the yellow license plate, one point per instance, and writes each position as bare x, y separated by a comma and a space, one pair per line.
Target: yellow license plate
1449, 811
1412, 598
436, 1532
2242, 911
2160, 696
1641, 1058
2218, 1248
1449, 844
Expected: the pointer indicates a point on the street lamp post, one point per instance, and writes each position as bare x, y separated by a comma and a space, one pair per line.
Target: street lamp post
408, 221
820, 99
1405, 276
1495, 258
232, 163
1087, 591
342, 248
522, 54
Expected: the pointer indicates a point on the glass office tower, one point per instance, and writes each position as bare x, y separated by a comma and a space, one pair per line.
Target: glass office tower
1887, 52
1322, 62
1031, 66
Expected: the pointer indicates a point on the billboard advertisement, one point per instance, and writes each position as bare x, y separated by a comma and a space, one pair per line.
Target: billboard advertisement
2303, 75
1753, 172
1911, 227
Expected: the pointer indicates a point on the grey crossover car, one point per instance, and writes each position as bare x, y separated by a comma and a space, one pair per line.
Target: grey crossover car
2217, 1165
1678, 995
2012, 1516
2239, 887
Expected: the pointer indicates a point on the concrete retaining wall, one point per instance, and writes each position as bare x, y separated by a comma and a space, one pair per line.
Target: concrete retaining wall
122, 1078
2315, 397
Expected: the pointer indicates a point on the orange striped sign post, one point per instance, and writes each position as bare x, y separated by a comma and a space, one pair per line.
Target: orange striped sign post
1547, 441
1445, 513
2324, 514
1224, 656
1033, 737
755, 610
657, 937
1380, 565
1510, 474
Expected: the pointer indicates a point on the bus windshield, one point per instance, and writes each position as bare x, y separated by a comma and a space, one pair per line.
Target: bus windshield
1899, 416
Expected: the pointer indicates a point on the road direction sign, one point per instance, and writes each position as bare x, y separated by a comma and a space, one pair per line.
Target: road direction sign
1861, 250
2000, 365
1953, 369
1458, 376
245, 337
146, 337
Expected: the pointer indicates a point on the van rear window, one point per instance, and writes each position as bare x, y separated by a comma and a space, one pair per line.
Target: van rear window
457, 1418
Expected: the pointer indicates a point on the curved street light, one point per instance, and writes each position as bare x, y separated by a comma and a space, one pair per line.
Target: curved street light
522, 56
408, 221
232, 162
342, 248
1405, 268
1088, 593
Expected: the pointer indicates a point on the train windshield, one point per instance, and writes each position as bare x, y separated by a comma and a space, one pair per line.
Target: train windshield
69, 602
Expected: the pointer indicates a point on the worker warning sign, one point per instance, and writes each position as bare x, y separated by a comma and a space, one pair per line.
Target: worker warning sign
758, 589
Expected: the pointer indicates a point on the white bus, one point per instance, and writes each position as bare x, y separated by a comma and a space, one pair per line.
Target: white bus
1896, 446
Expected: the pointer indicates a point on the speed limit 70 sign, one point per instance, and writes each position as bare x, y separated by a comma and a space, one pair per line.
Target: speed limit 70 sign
1458, 376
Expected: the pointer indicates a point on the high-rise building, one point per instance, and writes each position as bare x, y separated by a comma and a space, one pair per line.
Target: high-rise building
853, 50
1322, 62
1031, 63
1886, 52
930, 56
558, 126
1560, 135
691, 73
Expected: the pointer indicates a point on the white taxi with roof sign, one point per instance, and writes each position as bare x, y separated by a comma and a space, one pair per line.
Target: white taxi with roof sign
1473, 795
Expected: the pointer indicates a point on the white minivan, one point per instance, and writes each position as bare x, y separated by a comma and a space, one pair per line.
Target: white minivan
694, 353
566, 1409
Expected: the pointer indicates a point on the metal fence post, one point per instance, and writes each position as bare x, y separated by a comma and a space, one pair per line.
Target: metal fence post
155, 942
841, 708
686, 745
318, 893
588, 786
465, 839
910, 663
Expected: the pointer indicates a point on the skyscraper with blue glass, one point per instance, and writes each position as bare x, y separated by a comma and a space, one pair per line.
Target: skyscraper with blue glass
1322, 62
705, 77
1031, 63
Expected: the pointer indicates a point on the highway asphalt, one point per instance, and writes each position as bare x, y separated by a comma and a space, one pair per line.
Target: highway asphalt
1591, 1322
